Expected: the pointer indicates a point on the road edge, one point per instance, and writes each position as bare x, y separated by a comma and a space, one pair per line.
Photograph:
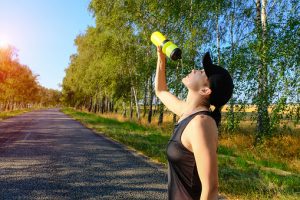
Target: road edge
159, 166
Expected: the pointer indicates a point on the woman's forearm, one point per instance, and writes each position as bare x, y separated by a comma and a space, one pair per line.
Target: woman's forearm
160, 77
209, 194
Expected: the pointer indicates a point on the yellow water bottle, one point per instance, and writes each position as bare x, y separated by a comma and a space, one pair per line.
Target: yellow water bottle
168, 47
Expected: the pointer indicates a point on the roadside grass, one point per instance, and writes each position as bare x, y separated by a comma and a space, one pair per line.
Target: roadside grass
245, 172
8, 114
146, 140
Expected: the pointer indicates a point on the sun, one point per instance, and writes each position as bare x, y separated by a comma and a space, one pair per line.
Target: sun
4, 44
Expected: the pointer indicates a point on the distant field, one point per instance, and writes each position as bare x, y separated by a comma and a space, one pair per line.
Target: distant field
248, 108
248, 113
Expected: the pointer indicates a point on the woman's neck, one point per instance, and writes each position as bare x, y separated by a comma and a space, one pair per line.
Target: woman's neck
194, 104
191, 110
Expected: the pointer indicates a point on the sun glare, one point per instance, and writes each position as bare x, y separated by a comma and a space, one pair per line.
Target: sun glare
3, 44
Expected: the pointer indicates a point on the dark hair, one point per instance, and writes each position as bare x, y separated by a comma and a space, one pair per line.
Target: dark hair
216, 114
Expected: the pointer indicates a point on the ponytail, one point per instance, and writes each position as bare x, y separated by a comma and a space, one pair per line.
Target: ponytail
216, 114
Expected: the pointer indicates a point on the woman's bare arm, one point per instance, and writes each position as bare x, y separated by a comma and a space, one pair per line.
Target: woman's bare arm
160, 78
161, 90
203, 139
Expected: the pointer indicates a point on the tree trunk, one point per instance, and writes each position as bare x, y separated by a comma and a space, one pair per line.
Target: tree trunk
107, 104
124, 109
150, 100
95, 103
111, 105
102, 104
218, 38
161, 114
156, 110
231, 117
136, 103
99, 105
90, 106
145, 98
218, 34
263, 122
13, 105
6, 106
131, 104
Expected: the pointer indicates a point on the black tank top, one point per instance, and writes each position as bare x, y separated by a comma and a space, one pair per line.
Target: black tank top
183, 178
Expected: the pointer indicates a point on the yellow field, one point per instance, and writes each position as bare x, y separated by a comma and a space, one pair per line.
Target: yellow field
248, 108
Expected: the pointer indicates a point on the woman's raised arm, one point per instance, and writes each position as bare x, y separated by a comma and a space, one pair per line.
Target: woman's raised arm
174, 104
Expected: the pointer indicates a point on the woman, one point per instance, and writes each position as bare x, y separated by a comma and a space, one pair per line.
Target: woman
192, 148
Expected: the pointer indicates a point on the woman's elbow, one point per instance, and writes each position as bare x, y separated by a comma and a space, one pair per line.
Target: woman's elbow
159, 90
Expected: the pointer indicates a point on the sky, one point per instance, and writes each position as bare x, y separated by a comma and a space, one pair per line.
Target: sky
43, 32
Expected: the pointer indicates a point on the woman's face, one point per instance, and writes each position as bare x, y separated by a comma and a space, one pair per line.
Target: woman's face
196, 80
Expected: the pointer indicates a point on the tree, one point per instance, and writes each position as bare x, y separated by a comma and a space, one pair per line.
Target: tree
19, 87
115, 60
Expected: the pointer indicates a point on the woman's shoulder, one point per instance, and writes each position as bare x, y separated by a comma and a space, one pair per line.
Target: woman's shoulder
203, 119
203, 123
203, 129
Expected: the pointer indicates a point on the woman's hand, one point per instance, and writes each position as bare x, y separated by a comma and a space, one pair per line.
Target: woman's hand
160, 54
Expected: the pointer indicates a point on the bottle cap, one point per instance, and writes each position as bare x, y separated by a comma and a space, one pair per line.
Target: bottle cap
176, 54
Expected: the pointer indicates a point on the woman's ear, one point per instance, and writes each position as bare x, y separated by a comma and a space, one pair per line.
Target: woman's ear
205, 91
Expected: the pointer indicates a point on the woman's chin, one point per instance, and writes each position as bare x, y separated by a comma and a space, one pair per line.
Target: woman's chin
183, 82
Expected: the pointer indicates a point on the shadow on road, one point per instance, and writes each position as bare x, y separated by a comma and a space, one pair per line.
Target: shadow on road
45, 154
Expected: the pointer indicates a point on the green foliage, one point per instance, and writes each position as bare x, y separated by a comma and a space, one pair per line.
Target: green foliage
225, 151
19, 87
116, 55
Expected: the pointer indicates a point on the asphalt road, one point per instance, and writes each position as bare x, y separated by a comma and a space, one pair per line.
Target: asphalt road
47, 155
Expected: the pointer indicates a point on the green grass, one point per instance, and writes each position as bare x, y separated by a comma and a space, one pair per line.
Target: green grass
241, 180
146, 140
241, 175
8, 114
